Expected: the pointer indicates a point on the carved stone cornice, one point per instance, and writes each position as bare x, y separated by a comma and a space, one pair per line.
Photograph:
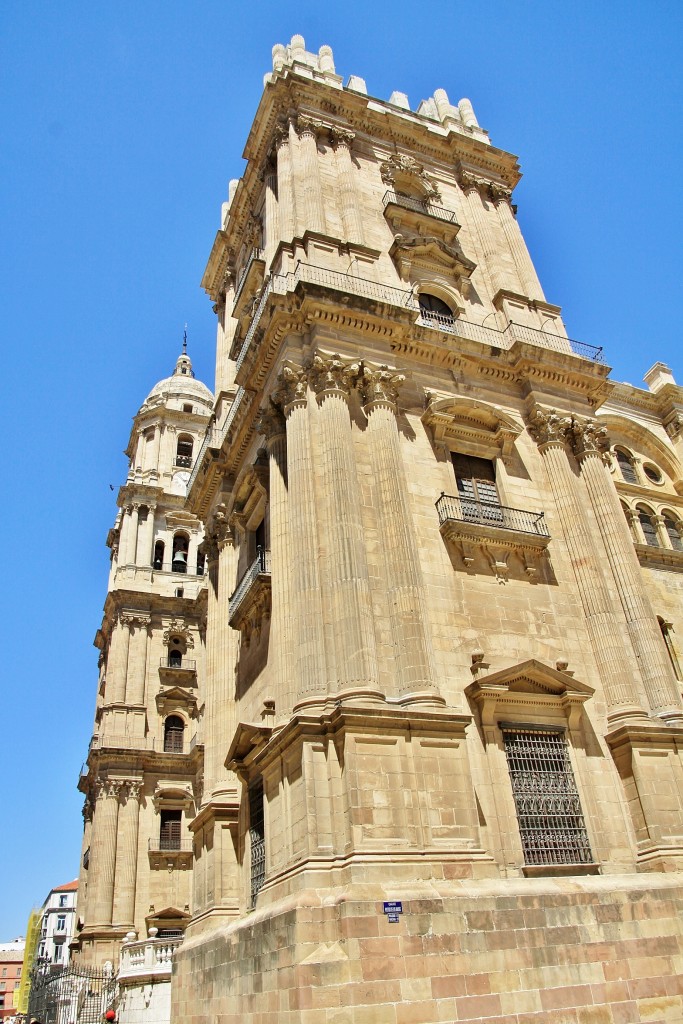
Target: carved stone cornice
331, 375
401, 167
587, 437
547, 427
380, 387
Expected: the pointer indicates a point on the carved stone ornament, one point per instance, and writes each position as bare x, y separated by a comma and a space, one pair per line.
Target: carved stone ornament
380, 385
217, 530
177, 629
470, 182
271, 422
131, 790
588, 438
291, 388
305, 125
135, 618
545, 426
342, 136
281, 131
430, 249
500, 193
329, 374
108, 788
674, 426
402, 169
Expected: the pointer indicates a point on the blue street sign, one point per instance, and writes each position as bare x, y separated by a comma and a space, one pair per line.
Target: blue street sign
393, 907
393, 918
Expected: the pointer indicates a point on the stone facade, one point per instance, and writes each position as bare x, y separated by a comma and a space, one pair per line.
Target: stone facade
442, 716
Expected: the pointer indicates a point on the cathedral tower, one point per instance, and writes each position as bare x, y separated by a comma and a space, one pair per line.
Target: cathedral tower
142, 777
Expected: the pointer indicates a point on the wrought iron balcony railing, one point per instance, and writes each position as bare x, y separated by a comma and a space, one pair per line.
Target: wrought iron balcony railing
215, 437
259, 567
186, 665
486, 513
418, 206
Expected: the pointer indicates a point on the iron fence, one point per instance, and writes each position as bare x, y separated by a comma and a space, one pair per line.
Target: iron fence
73, 994
260, 566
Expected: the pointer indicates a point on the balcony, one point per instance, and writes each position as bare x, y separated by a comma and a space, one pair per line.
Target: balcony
169, 853
394, 199
173, 673
147, 961
495, 531
250, 600
183, 460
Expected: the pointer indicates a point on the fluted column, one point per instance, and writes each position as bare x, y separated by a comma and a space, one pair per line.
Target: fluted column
132, 533
475, 190
608, 634
137, 659
414, 663
146, 537
345, 577
102, 867
221, 645
271, 219
285, 182
308, 643
272, 426
531, 286
589, 442
156, 448
117, 661
127, 855
348, 192
308, 177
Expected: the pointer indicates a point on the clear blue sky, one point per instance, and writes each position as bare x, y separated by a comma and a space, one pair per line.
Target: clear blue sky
122, 123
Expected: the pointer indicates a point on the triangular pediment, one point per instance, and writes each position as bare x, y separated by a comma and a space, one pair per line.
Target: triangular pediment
534, 677
170, 914
177, 693
432, 252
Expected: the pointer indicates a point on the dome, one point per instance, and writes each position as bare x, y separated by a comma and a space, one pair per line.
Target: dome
183, 385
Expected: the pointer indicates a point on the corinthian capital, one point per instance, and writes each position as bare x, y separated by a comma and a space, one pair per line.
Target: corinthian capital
218, 530
382, 385
271, 423
342, 136
470, 182
588, 438
305, 125
500, 193
281, 131
330, 374
545, 426
291, 388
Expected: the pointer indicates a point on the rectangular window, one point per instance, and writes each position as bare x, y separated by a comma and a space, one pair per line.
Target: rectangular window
547, 801
61, 922
476, 485
63, 901
257, 838
169, 830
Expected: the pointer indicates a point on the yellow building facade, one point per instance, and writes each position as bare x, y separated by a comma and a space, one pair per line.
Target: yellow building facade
434, 615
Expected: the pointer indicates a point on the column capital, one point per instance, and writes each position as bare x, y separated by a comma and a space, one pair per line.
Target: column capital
341, 137
587, 437
304, 125
281, 132
380, 387
271, 422
547, 427
501, 194
218, 531
291, 389
470, 182
131, 790
134, 618
330, 375
107, 788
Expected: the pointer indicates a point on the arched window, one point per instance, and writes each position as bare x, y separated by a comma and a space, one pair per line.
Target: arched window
181, 543
648, 527
159, 555
626, 466
672, 531
175, 658
434, 308
174, 728
184, 450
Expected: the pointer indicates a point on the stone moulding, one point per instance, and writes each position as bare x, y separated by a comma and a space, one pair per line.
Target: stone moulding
529, 689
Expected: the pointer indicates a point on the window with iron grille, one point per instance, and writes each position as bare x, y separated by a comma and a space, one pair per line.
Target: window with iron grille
547, 802
169, 830
174, 729
257, 838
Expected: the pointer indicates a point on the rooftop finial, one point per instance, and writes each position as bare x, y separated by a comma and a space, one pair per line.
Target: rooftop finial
185, 341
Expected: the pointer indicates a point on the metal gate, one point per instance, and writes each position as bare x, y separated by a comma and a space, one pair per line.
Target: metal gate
74, 994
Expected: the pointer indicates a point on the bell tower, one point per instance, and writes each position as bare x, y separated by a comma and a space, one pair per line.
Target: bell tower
142, 776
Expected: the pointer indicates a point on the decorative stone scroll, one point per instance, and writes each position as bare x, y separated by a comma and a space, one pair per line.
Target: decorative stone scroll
401, 171
178, 629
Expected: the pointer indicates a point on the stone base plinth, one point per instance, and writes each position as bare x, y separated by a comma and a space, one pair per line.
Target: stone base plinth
581, 950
